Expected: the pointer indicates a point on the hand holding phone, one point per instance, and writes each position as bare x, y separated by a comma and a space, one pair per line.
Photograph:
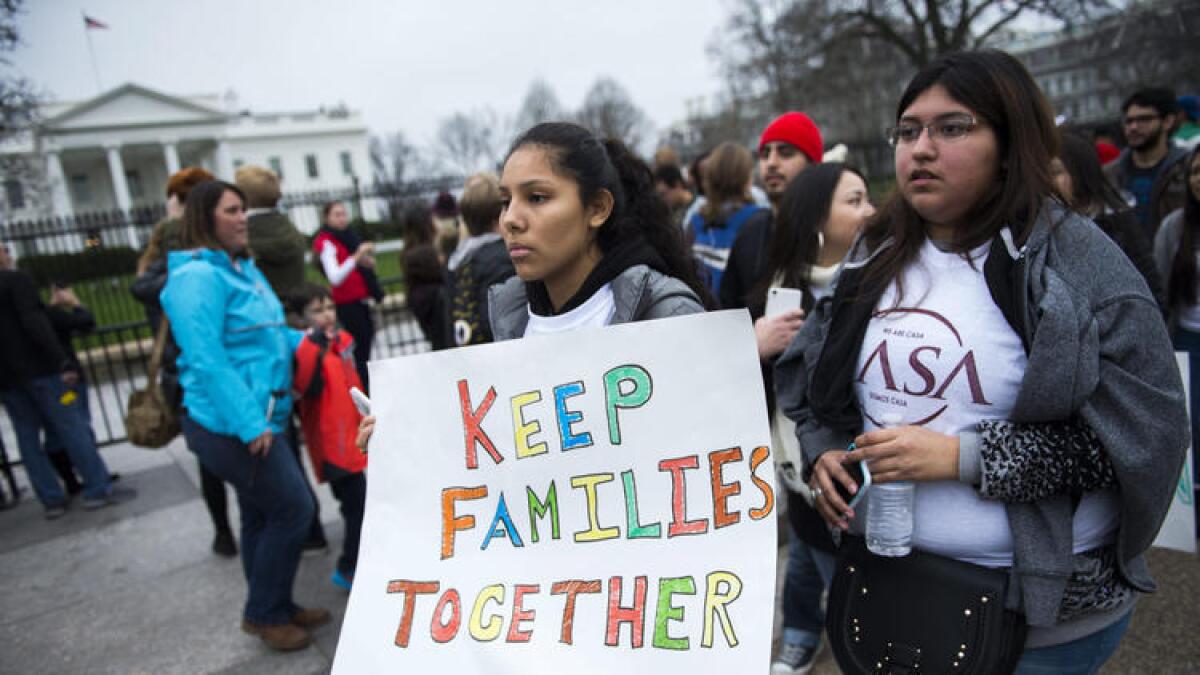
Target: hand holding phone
861, 474
780, 300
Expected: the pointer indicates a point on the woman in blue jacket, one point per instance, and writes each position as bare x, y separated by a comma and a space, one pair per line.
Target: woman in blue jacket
235, 367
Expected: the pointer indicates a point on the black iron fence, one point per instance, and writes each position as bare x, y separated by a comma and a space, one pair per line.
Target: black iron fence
124, 231
96, 254
115, 360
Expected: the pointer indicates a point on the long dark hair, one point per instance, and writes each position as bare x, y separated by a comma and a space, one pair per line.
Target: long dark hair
638, 210
199, 226
1000, 91
418, 225
1090, 190
1181, 285
803, 212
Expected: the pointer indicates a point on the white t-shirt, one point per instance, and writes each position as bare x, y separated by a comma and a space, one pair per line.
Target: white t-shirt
596, 311
945, 358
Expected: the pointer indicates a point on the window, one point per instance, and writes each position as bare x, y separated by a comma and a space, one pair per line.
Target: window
14, 194
276, 166
310, 164
347, 163
133, 180
80, 189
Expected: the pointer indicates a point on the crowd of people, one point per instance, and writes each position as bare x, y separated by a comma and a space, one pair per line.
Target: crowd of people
999, 330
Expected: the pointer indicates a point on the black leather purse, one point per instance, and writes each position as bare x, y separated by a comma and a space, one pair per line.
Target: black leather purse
921, 613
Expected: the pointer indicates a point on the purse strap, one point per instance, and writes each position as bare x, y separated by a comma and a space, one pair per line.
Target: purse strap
160, 344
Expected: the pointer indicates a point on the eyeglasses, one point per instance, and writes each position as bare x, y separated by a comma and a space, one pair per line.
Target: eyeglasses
949, 127
1138, 120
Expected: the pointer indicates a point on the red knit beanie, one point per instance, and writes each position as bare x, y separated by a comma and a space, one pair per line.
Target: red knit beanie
798, 129
1106, 152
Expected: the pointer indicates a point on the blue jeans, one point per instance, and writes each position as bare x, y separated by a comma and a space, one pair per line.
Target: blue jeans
37, 403
50, 440
276, 511
809, 572
1079, 657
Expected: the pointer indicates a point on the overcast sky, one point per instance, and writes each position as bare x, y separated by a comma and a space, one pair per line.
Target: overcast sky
404, 63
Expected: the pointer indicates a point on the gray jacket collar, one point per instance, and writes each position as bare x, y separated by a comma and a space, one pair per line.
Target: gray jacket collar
509, 307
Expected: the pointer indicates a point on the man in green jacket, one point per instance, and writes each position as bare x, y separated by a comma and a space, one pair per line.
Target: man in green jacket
277, 246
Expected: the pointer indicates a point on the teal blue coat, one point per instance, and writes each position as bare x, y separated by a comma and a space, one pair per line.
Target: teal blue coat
235, 361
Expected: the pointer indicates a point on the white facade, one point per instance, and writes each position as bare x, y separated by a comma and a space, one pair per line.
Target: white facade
117, 150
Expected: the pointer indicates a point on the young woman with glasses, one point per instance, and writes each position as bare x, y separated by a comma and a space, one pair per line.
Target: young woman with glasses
1022, 354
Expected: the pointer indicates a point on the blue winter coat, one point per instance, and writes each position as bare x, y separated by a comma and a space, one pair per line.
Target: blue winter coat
235, 362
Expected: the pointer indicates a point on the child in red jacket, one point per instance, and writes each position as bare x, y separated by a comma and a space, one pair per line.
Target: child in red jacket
325, 372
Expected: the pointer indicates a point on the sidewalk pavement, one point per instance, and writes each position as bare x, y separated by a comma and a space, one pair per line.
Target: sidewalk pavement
135, 589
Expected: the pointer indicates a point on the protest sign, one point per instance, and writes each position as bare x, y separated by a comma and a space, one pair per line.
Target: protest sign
599, 501
1179, 528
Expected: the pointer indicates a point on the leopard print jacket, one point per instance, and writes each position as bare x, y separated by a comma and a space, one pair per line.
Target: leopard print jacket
1027, 462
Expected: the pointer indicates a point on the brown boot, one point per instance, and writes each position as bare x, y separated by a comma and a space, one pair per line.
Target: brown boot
311, 618
284, 637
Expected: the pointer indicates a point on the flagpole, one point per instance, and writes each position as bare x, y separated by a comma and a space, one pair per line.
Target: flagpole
91, 51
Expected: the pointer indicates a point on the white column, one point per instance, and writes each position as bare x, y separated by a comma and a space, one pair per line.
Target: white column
171, 157
224, 160
117, 169
60, 199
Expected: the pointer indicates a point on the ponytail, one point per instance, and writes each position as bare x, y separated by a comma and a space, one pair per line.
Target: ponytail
645, 213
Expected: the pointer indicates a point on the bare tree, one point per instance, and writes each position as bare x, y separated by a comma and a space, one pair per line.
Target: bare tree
609, 112
767, 47
471, 142
393, 158
1151, 44
539, 105
924, 30
25, 182
779, 56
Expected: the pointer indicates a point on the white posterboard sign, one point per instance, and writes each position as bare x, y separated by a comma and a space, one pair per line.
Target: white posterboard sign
1179, 528
600, 501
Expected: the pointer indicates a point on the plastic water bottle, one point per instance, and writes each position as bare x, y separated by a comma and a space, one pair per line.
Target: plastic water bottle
890, 512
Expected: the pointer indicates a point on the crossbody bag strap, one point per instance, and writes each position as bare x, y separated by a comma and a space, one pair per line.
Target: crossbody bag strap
160, 343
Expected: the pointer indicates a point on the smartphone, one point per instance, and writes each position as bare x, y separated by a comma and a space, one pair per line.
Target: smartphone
360, 401
780, 300
862, 476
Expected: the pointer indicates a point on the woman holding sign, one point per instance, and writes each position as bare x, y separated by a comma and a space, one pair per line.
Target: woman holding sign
592, 242
235, 367
1022, 354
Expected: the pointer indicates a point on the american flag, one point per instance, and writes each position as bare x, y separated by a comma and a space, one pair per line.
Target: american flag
89, 23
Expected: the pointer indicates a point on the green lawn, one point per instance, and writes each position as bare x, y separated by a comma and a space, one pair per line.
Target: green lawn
111, 303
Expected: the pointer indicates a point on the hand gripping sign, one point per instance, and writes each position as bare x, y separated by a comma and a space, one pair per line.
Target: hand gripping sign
593, 502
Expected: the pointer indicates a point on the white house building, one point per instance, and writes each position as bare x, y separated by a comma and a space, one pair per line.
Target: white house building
116, 151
